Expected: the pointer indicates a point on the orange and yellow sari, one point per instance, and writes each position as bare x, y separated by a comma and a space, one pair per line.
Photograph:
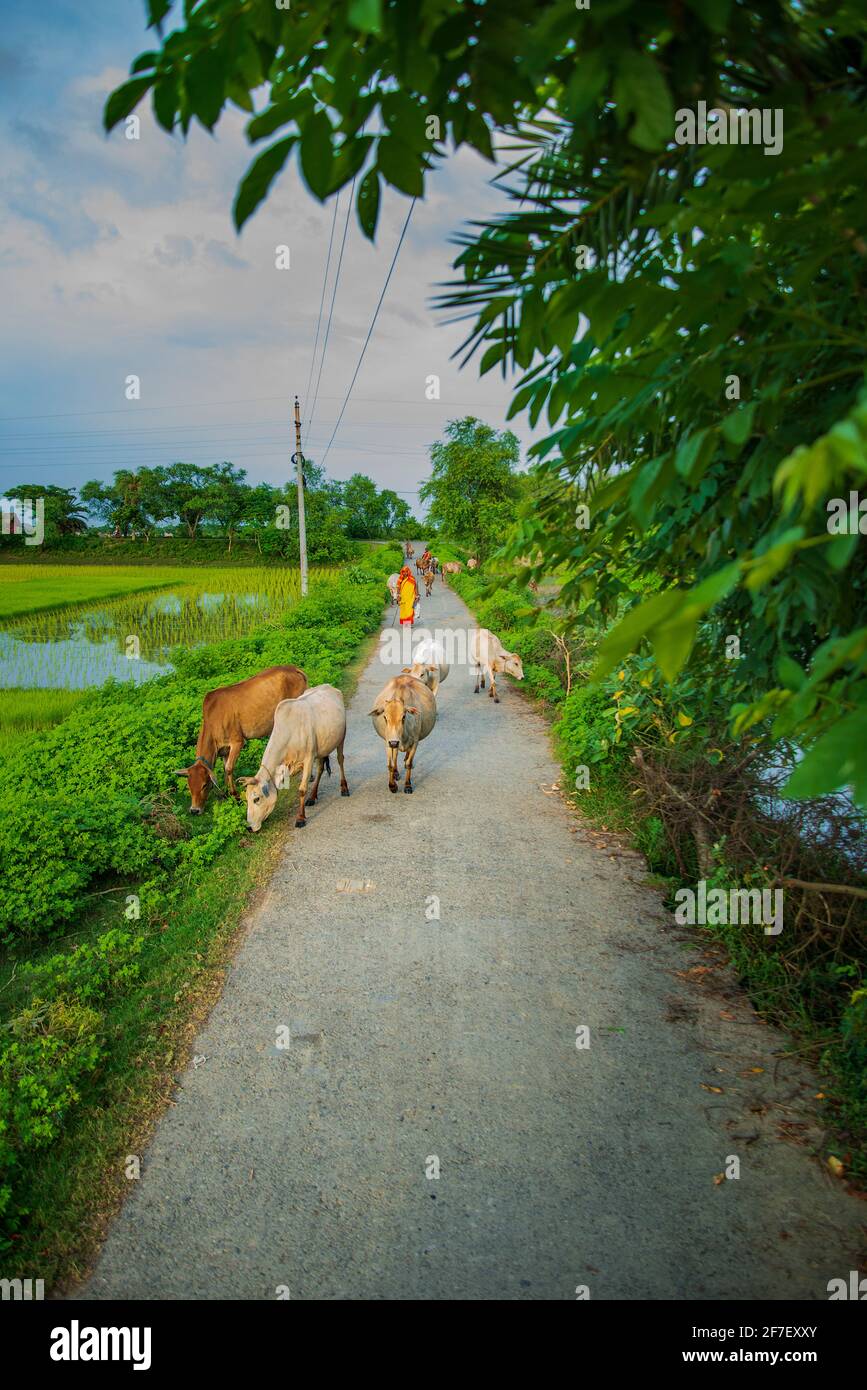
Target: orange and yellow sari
407, 590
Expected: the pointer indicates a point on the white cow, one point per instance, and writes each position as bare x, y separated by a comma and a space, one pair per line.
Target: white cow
429, 663
311, 727
394, 587
490, 657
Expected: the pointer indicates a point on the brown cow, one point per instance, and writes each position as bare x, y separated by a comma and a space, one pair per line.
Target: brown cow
450, 567
429, 577
231, 716
404, 713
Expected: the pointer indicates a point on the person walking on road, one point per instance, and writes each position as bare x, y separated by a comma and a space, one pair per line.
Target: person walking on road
407, 590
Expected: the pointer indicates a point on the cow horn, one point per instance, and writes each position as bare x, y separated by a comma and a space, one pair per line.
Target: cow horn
377, 711
181, 772
245, 781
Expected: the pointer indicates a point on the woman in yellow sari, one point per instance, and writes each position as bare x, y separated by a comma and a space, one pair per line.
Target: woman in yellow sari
407, 590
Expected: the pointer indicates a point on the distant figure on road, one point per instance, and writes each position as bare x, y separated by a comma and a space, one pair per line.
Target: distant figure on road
408, 594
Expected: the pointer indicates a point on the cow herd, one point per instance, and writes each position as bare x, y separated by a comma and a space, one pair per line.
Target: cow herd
306, 725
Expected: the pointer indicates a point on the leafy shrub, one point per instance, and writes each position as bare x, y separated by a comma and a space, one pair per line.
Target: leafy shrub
52, 1045
543, 683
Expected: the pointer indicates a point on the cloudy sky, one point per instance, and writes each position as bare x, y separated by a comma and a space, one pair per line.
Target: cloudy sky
119, 257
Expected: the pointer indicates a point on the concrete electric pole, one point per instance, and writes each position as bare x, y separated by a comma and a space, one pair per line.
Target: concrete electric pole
298, 460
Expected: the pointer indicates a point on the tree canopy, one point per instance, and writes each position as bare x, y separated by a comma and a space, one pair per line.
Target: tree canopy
473, 488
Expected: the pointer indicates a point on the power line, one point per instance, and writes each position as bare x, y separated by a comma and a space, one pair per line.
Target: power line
370, 329
240, 400
26, 464
308, 424
321, 302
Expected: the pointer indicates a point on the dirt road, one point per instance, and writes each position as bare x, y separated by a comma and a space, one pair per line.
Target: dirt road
423, 1044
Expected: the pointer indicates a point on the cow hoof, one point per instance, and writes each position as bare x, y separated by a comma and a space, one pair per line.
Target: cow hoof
392, 788
408, 791
311, 801
496, 699
300, 824
344, 791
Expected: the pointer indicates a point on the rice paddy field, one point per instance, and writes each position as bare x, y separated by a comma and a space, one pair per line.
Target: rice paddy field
64, 630
26, 590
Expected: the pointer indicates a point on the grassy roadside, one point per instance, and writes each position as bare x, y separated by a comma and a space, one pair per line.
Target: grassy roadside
111, 1009
810, 980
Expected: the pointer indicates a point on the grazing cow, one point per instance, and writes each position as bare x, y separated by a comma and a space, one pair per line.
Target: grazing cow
451, 567
429, 664
230, 717
394, 587
307, 729
403, 713
429, 577
472, 564
490, 657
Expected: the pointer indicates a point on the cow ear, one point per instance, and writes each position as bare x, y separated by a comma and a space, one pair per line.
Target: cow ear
181, 772
266, 788
407, 671
246, 781
413, 710
378, 710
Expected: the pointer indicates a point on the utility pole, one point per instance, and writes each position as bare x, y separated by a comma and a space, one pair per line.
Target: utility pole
298, 460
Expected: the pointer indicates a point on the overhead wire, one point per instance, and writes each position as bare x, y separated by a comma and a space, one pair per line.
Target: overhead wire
370, 329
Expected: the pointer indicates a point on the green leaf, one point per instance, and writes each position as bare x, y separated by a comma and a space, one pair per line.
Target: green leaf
317, 154
836, 760
672, 644
259, 177
641, 88
405, 119
204, 81
716, 587
365, 15
144, 62
688, 452
492, 356
400, 166
368, 203
789, 673
738, 424
157, 11
624, 638
124, 99
165, 101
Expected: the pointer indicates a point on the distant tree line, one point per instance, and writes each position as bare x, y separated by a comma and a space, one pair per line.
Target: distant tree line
216, 500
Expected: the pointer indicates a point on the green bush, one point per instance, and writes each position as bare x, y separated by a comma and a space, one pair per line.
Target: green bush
543, 683
52, 1045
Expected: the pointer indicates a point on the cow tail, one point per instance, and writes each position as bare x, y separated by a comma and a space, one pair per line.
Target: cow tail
328, 765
